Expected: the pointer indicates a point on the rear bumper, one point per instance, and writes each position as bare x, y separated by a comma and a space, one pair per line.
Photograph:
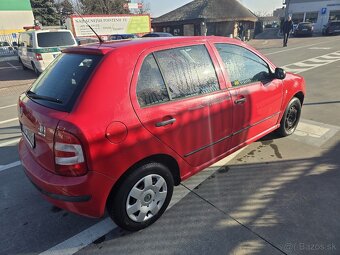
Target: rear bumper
84, 195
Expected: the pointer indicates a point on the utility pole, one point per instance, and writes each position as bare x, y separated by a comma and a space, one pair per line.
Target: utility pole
286, 2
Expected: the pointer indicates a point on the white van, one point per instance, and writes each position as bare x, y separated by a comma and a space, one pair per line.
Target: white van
38, 48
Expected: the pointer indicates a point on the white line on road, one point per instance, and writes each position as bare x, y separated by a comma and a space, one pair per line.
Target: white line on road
88, 236
12, 66
11, 165
7, 106
14, 141
296, 48
9, 67
9, 120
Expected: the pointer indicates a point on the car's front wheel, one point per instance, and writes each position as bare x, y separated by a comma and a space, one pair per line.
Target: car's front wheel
290, 118
141, 197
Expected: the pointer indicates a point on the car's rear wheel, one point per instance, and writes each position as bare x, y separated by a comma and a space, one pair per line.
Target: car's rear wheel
141, 197
22, 64
35, 69
290, 118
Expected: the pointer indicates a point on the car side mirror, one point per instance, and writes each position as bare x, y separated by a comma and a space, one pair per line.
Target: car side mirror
280, 73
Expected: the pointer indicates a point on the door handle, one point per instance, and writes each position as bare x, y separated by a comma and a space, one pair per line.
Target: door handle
240, 101
165, 123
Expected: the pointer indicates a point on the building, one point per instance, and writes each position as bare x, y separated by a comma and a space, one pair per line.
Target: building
279, 12
318, 12
206, 17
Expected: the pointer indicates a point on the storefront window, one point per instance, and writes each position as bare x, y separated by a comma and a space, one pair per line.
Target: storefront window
334, 15
298, 17
311, 17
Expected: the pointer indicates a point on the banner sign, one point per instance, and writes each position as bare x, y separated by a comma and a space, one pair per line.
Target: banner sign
111, 24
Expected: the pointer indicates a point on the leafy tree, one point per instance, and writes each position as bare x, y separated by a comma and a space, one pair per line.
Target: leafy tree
45, 11
103, 6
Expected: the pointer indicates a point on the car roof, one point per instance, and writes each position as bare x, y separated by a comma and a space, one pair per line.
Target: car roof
145, 43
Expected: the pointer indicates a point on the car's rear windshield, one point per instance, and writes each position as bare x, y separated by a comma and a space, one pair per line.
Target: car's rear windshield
55, 39
62, 82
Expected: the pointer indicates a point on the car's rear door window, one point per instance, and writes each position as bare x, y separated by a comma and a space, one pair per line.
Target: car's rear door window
63, 81
243, 66
55, 39
187, 71
151, 88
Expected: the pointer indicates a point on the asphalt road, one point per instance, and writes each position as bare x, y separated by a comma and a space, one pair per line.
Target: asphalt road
277, 196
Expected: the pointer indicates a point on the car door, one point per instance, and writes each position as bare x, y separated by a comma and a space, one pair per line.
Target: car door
179, 99
256, 95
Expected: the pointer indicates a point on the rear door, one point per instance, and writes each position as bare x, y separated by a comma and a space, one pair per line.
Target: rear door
256, 96
179, 98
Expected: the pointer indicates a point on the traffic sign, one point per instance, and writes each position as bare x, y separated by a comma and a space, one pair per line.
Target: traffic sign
323, 10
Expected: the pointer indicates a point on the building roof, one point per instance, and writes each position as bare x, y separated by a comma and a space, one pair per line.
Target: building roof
210, 11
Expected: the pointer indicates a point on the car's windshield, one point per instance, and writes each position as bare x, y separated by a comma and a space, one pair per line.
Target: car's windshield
4, 44
55, 39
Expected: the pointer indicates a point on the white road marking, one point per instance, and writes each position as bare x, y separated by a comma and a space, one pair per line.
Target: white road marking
320, 48
11, 165
9, 67
7, 106
88, 236
14, 141
9, 120
312, 63
12, 66
83, 239
301, 47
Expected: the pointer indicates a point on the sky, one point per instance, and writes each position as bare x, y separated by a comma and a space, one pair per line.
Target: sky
160, 7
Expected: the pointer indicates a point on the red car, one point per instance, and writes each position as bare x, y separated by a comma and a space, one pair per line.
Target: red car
116, 125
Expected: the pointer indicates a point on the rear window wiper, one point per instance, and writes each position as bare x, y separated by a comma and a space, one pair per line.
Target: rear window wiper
32, 95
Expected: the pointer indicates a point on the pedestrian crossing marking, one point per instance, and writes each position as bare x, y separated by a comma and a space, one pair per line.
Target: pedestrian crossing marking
311, 63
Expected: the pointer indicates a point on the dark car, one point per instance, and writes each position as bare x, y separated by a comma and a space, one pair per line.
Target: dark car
158, 34
332, 27
304, 29
86, 40
123, 36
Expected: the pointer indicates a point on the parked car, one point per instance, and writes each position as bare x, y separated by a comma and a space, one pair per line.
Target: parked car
158, 34
116, 125
331, 28
304, 29
38, 48
122, 36
6, 48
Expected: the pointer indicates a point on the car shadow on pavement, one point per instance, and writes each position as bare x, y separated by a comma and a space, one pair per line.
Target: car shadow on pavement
288, 206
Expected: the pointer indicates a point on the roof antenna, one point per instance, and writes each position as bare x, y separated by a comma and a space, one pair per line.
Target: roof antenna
99, 38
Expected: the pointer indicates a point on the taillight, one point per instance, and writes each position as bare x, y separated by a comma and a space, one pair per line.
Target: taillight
68, 155
38, 56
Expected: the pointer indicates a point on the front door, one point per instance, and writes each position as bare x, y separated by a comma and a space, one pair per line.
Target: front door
257, 97
179, 100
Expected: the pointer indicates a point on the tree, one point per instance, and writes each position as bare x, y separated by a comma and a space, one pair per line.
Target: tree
103, 7
45, 11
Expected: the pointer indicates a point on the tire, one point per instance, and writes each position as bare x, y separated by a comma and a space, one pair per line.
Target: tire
290, 118
22, 64
35, 69
142, 197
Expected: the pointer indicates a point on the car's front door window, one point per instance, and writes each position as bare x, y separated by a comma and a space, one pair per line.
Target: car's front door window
243, 66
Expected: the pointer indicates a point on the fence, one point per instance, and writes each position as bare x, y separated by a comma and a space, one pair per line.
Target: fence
8, 45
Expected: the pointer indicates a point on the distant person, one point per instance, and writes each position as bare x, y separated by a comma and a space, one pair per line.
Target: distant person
241, 31
286, 29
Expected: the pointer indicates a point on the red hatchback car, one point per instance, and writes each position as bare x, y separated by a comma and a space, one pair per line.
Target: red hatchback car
116, 125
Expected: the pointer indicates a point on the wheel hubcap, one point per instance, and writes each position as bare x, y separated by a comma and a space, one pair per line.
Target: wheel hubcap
146, 198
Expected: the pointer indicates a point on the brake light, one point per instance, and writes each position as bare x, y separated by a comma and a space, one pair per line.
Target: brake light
38, 56
68, 155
